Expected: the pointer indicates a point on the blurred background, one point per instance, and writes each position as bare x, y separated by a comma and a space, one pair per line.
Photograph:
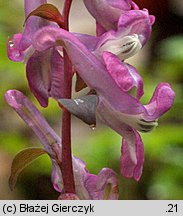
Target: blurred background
160, 61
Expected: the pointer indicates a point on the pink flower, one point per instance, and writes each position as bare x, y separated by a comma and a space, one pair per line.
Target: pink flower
112, 80
44, 70
88, 186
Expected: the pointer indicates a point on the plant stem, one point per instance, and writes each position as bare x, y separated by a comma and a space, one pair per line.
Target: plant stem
66, 11
66, 167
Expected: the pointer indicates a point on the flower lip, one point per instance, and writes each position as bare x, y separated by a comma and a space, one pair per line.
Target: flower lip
146, 126
128, 47
137, 121
123, 46
14, 53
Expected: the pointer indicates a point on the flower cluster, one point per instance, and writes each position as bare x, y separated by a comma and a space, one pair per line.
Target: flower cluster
122, 30
88, 186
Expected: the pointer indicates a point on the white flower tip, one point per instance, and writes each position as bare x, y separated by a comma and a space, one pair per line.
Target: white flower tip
124, 47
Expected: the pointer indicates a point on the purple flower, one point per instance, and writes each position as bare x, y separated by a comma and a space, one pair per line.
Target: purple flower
112, 80
88, 186
44, 70
122, 29
112, 14
106, 12
20, 48
126, 28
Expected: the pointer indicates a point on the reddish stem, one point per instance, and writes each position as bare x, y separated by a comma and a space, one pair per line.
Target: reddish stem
66, 11
66, 167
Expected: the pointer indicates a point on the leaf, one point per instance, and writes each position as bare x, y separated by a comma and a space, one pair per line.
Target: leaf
48, 12
84, 108
21, 160
80, 84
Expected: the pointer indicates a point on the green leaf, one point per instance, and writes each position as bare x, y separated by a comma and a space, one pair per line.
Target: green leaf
21, 160
49, 12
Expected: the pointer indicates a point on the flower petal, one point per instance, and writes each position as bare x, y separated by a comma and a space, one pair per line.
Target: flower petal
123, 5
136, 22
119, 44
142, 118
134, 6
32, 24
39, 76
45, 75
132, 155
108, 180
89, 186
99, 187
89, 41
132, 148
120, 104
33, 118
57, 75
161, 101
97, 77
107, 12
14, 53
79, 55
56, 176
86, 186
124, 75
